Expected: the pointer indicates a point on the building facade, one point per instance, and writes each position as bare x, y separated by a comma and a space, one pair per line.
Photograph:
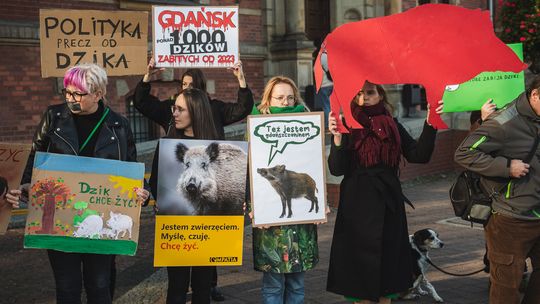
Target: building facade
277, 37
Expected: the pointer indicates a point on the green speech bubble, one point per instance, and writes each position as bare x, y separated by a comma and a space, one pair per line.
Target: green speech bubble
281, 133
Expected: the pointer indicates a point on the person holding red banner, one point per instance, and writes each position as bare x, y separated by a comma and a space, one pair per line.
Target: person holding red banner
370, 258
85, 126
190, 117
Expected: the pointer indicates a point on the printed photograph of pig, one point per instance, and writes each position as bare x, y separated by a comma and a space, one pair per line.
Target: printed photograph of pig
210, 179
291, 185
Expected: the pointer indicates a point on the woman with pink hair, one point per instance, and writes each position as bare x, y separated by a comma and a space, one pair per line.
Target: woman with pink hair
85, 126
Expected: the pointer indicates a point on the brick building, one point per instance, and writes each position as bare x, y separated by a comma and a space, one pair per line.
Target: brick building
277, 37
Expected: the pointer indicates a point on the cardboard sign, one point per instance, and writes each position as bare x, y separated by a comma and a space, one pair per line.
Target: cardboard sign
201, 192
195, 36
286, 186
83, 204
502, 87
114, 40
13, 159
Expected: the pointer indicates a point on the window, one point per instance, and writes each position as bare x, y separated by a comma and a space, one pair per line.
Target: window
143, 128
352, 15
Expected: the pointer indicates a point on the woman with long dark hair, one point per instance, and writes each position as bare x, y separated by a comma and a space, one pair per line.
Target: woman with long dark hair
222, 113
190, 120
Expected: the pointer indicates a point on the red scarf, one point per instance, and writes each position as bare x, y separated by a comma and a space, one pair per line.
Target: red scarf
379, 141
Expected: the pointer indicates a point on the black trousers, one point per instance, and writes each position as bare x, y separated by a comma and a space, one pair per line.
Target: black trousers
179, 281
72, 270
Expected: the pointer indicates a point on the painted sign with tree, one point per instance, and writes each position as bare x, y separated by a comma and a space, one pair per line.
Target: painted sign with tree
82, 204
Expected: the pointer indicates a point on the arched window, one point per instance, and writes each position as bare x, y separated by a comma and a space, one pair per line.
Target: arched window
352, 15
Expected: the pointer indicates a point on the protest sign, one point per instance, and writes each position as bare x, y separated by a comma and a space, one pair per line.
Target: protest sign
502, 87
198, 240
195, 36
287, 186
83, 204
201, 191
13, 159
114, 40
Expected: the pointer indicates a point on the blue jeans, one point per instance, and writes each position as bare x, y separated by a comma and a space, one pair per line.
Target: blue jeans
69, 276
283, 288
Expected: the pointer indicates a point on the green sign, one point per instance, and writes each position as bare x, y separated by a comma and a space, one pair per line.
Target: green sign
502, 87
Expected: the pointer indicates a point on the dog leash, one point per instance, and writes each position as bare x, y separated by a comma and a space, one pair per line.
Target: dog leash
453, 274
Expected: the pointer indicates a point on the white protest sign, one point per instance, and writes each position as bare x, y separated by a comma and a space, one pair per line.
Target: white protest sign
287, 168
195, 36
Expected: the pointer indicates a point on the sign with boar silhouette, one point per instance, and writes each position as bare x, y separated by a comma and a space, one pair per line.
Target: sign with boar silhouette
287, 168
83, 204
12, 162
201, 192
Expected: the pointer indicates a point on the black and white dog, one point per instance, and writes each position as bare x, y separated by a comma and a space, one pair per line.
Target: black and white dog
421, 241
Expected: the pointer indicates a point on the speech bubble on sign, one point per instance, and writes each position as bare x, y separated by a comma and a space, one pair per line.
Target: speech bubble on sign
281, 133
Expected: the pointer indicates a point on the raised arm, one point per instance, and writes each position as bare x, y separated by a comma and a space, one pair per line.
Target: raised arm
149, 105
340, 158
418, 151
233, 112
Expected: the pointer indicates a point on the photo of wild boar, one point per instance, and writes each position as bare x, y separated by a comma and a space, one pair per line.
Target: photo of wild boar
208, 178
289, 184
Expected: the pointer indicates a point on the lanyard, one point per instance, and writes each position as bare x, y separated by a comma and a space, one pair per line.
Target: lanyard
94, 131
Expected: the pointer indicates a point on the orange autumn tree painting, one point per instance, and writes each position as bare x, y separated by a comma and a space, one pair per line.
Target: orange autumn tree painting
48, 193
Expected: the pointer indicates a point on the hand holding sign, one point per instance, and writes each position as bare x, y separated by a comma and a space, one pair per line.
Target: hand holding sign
488, 108
13, 197
238, 71
280, 133
333, 128
151, 69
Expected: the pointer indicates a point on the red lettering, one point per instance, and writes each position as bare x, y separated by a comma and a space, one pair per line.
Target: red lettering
177, 20
178, 58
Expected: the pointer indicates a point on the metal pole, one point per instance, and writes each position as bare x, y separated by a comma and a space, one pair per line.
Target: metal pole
491, 10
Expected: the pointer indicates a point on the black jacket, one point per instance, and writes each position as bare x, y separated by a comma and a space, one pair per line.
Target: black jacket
57, 133
370, 255
223, 113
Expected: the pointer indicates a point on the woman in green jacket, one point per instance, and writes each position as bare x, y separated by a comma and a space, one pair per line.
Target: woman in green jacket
283, 253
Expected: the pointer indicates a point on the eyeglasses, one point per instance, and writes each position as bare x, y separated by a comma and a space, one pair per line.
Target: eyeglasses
175, 108
75, 95
289, 99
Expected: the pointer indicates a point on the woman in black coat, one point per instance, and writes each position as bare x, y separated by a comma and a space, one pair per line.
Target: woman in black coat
189, 118
370, 255
223, 113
